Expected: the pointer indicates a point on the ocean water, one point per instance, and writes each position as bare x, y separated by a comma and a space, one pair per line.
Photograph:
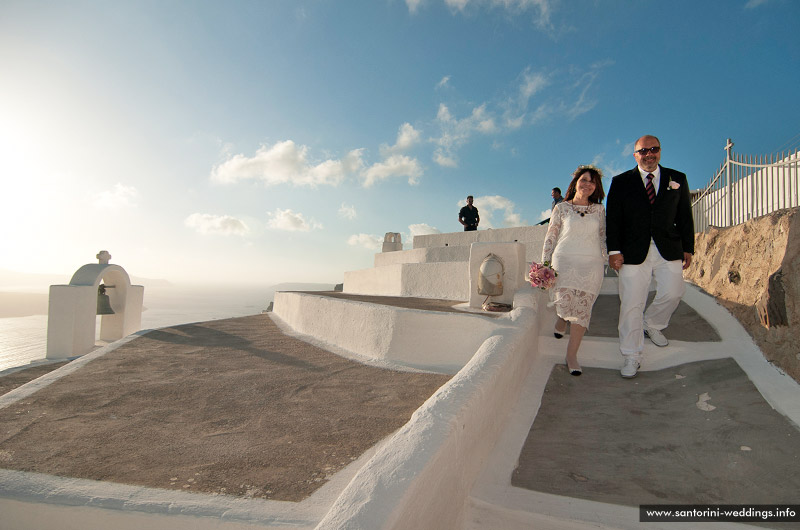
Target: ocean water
24, 339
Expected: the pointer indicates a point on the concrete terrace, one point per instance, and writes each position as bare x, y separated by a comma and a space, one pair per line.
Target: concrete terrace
495, 433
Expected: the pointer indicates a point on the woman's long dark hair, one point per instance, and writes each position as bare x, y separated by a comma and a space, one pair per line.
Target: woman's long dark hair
597, 177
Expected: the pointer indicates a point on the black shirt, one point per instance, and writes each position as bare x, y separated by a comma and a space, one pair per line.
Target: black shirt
469, 215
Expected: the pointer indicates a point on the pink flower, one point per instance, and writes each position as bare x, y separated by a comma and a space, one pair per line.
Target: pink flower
542, 275
674, 185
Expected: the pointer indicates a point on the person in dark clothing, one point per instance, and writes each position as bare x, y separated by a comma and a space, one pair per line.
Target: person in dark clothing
468, 216
557, 198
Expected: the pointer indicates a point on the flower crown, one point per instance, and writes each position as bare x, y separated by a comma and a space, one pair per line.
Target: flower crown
587, 167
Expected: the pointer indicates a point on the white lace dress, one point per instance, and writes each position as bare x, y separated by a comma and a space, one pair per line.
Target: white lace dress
575, 246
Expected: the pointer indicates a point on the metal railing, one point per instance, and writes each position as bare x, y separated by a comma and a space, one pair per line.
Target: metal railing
747, 186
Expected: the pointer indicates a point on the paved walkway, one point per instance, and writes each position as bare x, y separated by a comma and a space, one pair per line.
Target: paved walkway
695, 430
698, 433
693, 427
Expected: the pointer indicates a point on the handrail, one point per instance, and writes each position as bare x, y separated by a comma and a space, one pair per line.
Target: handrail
708, 188
782, 163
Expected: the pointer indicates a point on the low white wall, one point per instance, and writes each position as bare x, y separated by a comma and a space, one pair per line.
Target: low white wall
422, 255
447, 280
530, 236
417, 255
423, 475
378, 281
442, 342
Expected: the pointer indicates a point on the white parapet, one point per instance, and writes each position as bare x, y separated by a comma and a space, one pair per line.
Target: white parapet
422, 255
447, 280
422, 477
438, 265
530, 236
427, 340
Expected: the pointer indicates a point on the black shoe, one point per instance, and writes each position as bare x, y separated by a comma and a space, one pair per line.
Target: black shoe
573, 371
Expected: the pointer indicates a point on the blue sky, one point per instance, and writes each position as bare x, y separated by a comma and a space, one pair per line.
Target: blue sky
270, 141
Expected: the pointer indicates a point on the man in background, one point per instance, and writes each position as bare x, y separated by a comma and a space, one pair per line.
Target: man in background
468, 216
557, 198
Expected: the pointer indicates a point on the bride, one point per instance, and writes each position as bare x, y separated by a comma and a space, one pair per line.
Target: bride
575, 245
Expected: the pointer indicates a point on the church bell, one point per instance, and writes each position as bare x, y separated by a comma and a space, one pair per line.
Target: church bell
103, 302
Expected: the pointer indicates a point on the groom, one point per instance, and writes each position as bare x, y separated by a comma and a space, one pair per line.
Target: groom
650, 234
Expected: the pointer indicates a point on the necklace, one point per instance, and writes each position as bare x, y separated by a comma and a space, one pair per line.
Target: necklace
583, 208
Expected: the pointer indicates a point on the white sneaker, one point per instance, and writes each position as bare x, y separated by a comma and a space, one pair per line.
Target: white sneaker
656, 336
630, 367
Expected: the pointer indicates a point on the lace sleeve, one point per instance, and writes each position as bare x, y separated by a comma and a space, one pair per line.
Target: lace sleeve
553, 231
602, 234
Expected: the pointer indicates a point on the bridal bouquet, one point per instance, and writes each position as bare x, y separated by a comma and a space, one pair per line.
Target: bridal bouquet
542, 275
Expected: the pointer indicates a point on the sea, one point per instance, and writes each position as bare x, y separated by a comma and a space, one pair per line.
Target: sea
23, 339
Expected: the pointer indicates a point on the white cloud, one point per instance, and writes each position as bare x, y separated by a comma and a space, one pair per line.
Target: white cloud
531, 84
118, 197
572, 100
444, 160
627, 150
562, 94
365, 240
457, 4
287, 163
545, 214
394, 166
443, 114
443, 82
348, 212
455, 133
290, 221
489, 204
413, 5
516, 106
754, 3
583, 103
543, 20
515, 122
609, 169
542, 7
208, 224
407, 137
422, 229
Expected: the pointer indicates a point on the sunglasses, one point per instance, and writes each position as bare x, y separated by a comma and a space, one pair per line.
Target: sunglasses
644, 150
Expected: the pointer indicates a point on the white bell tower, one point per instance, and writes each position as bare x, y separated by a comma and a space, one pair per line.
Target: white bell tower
73, 308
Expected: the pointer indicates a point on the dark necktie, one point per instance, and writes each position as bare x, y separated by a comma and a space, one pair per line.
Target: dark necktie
651, 191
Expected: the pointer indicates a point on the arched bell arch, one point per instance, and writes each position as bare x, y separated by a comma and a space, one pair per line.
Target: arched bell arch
71, 326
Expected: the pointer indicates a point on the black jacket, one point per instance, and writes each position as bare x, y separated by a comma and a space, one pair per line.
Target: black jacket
631, 221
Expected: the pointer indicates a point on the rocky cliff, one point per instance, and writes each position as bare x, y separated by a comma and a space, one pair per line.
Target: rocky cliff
752, 269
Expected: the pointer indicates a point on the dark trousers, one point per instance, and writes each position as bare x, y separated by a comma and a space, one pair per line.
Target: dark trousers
470, 228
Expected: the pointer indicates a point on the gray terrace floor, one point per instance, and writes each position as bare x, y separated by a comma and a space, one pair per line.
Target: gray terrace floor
695, 433
698, 433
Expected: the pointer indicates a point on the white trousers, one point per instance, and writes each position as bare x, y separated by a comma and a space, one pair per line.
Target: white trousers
634, 284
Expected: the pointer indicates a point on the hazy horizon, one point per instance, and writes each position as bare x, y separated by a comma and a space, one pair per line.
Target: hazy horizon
16, 281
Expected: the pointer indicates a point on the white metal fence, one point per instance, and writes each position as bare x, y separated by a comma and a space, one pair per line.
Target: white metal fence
747, 186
